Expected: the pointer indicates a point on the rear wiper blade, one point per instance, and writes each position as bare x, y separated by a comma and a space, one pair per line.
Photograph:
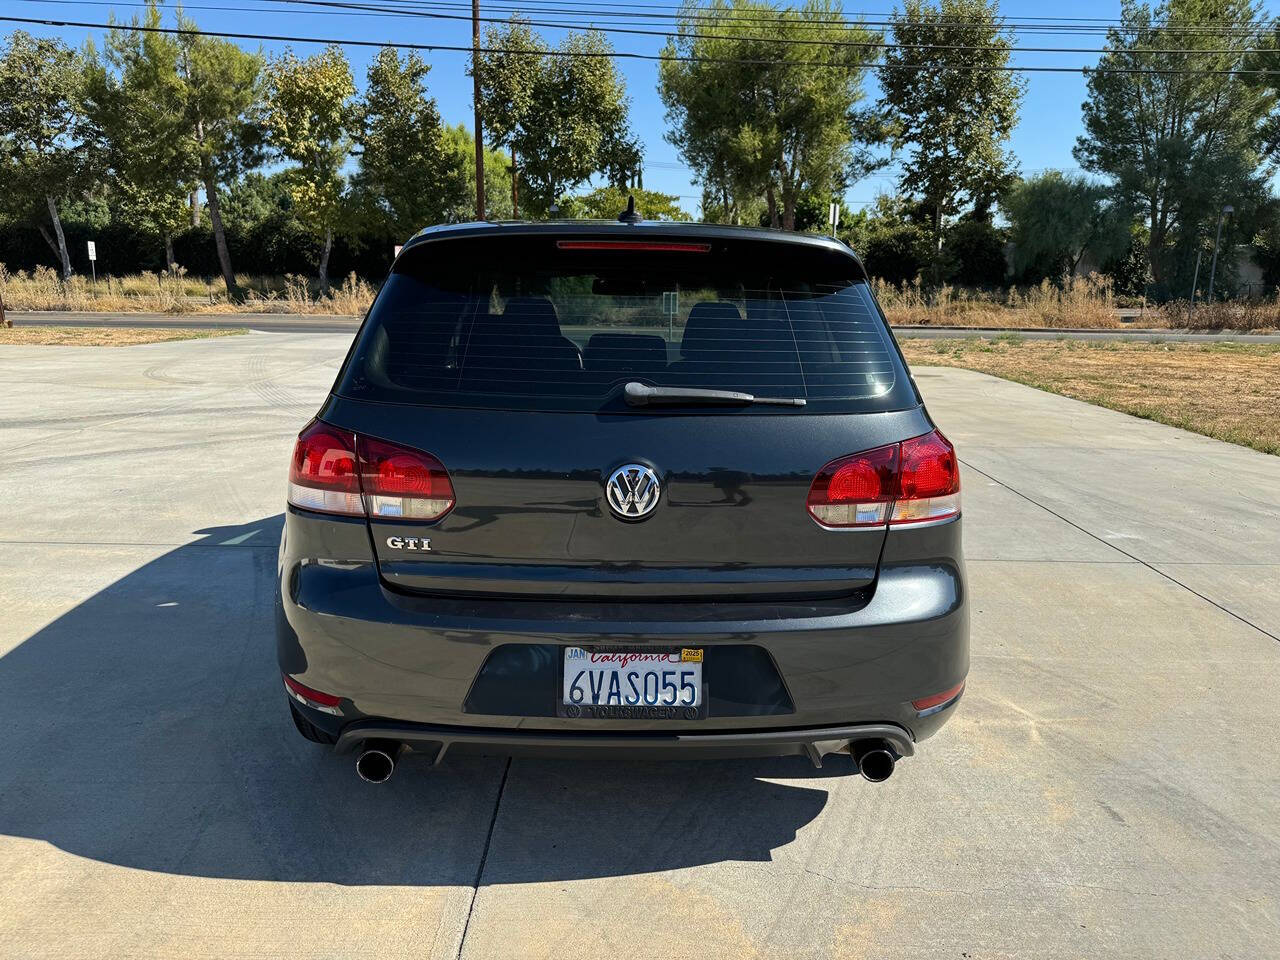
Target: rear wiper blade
640, 395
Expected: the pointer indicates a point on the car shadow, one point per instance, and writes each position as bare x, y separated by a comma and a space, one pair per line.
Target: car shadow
146, 727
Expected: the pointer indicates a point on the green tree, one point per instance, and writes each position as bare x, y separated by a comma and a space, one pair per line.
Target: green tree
223, 97
1176, 134
1056, 219
136, 101
753, 116
43, 133
254, 199
949, 107
894, 247
558, 115
407, 176
976, 246
498, 191
621, 159
605, 203
310, 116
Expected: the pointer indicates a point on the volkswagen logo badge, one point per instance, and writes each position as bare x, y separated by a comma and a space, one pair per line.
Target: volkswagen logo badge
633, 491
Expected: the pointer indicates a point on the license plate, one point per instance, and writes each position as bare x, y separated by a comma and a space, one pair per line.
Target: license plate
632, 684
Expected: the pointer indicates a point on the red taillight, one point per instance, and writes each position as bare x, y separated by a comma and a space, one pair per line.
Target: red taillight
908, 482
928, 480
652, 246
855, 491
325, 702
932, 704
323, 475
332, 468
403, 483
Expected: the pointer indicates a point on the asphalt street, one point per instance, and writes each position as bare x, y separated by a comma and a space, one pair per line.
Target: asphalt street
319, 323
1110, 787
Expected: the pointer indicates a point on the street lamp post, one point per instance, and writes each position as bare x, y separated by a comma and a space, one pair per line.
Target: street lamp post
1213, 270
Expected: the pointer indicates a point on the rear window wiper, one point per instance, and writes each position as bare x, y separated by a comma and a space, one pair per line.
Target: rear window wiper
640, 395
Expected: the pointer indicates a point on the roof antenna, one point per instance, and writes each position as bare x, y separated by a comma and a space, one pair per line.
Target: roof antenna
630, 215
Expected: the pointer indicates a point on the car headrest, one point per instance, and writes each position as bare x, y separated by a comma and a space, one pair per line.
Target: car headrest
711, 326
534, 315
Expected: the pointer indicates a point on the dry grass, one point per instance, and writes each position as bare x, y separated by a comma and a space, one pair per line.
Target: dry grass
1087, 302
1243, 315
1229, 391
177, 293
101, 336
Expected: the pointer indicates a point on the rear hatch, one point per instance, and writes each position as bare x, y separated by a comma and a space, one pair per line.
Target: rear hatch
508, 358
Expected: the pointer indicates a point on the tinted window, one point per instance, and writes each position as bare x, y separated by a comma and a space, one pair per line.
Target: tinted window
522, 322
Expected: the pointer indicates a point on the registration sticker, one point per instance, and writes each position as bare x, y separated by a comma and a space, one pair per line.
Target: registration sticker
688, 655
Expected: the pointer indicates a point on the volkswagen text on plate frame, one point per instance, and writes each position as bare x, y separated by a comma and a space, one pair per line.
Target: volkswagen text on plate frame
622, 489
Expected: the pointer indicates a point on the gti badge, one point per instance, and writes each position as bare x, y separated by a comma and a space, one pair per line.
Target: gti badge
409, 543
633, 491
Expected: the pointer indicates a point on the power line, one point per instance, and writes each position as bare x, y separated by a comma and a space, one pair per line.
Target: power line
635, 55
868, 44
576, 8
592, 12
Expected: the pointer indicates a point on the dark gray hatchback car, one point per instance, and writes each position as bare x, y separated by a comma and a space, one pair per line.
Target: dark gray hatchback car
625, 489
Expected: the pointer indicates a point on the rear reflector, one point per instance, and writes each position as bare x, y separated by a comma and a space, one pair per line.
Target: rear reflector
938, 701
335, 471
652, 246
908, 482
324, 702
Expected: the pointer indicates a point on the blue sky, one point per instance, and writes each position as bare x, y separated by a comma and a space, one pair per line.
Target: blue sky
1048, 125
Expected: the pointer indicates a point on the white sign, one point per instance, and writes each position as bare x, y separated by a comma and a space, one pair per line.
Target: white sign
399, 247
93, 250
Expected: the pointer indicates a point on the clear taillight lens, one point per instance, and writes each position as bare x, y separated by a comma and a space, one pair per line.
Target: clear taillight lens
908, 482
403, 483
335, 471
323, 475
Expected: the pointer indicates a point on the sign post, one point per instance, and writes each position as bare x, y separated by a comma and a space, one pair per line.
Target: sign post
93, 265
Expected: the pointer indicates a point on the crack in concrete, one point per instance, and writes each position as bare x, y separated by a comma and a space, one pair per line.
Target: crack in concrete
484, 859
1120, 550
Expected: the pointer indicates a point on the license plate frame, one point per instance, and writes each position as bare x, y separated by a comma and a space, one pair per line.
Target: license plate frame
589, 711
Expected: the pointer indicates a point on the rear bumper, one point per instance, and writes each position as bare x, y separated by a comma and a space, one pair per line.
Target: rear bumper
434, 742
407, 667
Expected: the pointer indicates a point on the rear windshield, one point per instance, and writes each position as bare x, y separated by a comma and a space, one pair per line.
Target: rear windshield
562, 324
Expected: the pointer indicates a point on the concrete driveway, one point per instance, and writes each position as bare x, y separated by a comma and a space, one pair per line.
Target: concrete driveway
1110, 788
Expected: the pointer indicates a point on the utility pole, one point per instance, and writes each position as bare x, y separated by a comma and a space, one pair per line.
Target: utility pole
1195, 278
1213, 271
515, 185
475, 86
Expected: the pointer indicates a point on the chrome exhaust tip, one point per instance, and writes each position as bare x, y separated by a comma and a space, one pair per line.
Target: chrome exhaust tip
875, 759
376, 762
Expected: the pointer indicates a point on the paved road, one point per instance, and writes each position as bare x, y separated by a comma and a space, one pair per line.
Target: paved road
1110, 788
1126, 333
267, 322
287, 323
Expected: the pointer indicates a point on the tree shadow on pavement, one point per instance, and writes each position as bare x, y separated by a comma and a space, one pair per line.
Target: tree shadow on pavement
147, 727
